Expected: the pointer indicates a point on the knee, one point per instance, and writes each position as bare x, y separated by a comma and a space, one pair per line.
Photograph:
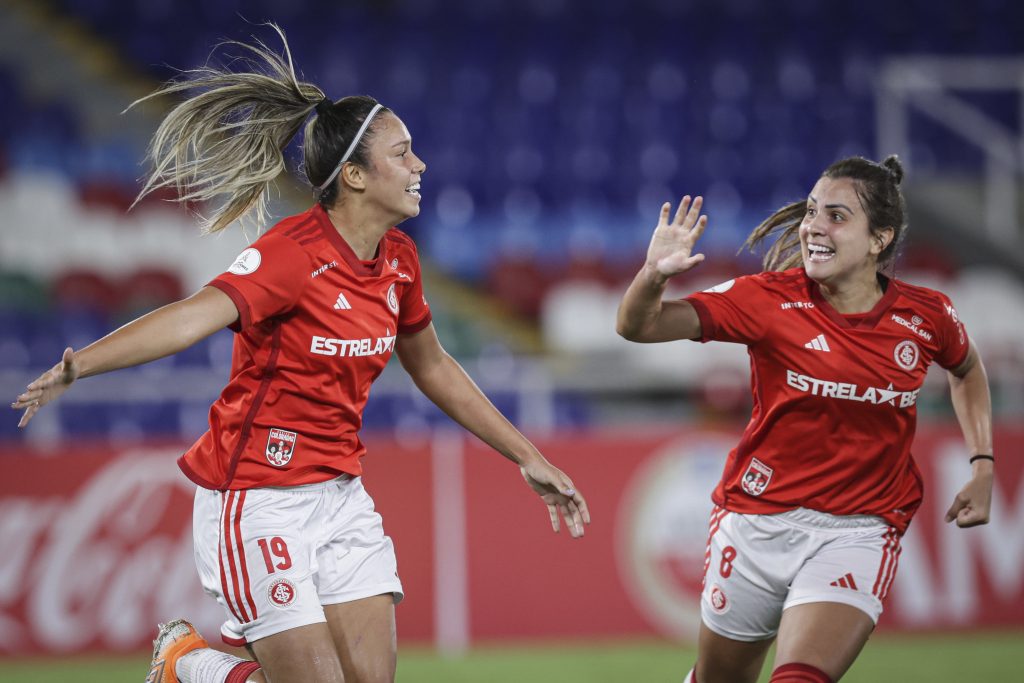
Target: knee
799, 673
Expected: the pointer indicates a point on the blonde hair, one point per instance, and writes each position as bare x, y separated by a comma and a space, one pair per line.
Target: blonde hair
228, 139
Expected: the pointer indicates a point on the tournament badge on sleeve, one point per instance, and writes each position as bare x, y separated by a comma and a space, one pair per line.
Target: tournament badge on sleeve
757, 477
280, 447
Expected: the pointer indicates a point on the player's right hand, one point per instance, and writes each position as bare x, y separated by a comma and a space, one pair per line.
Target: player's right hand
670, 252
48, 387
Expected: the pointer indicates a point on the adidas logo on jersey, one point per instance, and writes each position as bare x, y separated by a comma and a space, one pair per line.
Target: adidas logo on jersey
342, 303
818, 344
845, 582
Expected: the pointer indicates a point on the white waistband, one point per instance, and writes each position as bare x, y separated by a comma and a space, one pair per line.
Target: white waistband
317, 486
824, 520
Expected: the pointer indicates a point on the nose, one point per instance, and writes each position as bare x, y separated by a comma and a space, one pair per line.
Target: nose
817, 225
420, 165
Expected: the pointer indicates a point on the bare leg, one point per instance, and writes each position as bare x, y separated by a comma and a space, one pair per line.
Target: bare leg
724, 660
826, 635
365, 638
299, 655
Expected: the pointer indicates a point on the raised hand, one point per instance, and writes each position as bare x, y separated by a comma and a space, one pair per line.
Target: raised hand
558, 493
48, 387
670, 252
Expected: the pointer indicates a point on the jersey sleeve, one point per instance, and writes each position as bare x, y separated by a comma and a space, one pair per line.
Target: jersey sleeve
265, 280
414, 311
733, 311
952, 337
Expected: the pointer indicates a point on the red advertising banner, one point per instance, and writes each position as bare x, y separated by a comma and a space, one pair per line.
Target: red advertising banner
97, 548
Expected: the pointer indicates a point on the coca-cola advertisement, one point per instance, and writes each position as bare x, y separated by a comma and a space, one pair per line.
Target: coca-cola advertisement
97, 542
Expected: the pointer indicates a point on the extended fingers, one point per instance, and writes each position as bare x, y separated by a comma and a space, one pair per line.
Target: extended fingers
553, 514
693, 212
32, 409
684, 206
663, 218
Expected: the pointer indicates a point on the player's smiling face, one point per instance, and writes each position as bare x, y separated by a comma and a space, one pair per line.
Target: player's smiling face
836, 241
394, 179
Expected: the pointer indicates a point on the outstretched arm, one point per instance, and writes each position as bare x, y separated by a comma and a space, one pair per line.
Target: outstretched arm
643, 316
973, 405
163, 332
443, 381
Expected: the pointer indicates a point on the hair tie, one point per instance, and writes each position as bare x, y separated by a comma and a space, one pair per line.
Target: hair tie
324, 105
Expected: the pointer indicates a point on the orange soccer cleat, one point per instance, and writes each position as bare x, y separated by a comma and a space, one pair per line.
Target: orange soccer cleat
174, 639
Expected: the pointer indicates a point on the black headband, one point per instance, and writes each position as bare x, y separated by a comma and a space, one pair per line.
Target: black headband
324, 105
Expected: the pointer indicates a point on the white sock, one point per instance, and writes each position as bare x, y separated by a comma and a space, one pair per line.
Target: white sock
205, 665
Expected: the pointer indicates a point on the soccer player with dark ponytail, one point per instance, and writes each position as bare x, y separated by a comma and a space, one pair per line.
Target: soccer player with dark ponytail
805, 531
286, 538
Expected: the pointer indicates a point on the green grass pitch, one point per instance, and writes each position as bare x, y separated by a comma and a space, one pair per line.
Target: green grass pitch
993, 657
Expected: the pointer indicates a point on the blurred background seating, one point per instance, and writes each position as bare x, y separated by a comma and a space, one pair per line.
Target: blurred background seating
551, 138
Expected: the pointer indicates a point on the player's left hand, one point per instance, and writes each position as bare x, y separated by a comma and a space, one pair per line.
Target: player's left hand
971, 506
558, 493
47, 387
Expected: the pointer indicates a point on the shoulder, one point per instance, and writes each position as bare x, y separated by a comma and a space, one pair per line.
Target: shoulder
401, 245
785, 282
931, 299
400, 239
284, 244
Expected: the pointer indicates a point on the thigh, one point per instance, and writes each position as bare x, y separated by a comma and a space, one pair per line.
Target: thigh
253, 557
365, 638
827, 635
749, 563
724, 660
356, 560
300, 655
853, 567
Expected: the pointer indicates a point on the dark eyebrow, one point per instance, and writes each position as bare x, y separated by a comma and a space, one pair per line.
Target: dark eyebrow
832, 206
840, 206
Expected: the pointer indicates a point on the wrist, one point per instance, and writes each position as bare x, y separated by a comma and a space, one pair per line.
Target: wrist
527, 458
653, 276
982, 463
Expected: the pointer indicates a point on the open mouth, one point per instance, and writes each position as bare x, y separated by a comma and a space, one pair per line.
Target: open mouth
818, 253
414, 189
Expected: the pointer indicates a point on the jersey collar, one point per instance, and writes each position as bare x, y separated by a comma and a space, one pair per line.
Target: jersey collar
863, 320
365, 268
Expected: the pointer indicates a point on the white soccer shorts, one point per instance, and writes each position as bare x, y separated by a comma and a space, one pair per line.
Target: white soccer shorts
756, 566
273, 557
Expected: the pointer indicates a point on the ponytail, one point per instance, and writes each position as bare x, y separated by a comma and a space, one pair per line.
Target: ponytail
782, 228
228, 139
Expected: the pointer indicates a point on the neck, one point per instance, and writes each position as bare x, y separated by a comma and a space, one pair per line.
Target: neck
853, 297
359, 228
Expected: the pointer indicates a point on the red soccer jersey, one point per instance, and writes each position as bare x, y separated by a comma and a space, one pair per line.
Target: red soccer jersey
834, 396
316, 326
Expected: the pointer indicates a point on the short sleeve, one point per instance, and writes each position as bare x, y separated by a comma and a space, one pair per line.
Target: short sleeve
952, 337
733, 311
414, 312
265, 280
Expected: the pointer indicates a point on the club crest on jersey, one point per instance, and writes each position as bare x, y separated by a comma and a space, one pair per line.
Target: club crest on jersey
757, 477
906, 354
280, 447
392, 299
281, 593
719, 603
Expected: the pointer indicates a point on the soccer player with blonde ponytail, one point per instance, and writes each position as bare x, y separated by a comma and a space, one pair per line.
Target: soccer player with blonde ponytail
286, 538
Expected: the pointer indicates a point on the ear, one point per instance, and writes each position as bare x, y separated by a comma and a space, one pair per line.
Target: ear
880, 239
353, 176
